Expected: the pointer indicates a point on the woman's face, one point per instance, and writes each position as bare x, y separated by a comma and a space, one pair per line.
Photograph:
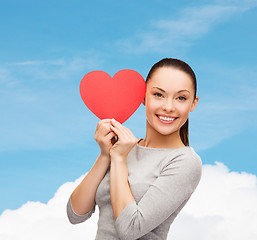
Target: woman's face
169, 99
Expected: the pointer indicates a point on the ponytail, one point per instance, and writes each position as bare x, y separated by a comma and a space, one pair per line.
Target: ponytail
184, 133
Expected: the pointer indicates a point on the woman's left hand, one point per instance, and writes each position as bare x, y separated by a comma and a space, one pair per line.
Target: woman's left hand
126, 140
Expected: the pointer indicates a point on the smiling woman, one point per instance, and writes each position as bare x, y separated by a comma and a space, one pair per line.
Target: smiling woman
171, 90
140, 186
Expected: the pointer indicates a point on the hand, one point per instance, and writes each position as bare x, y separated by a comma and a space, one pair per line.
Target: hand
126, 140
104, 136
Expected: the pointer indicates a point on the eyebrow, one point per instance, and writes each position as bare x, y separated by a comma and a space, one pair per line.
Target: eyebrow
178, 91
159, 89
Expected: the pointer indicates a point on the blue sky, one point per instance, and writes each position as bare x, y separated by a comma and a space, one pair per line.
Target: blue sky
46, 47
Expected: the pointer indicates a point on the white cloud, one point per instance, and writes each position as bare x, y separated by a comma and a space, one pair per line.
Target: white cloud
192, 23
36, 220
223, 207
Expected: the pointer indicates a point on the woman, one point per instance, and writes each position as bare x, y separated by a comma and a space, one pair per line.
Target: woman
141, 186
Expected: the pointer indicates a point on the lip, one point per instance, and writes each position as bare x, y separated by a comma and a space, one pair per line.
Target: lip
166, 121
163, 115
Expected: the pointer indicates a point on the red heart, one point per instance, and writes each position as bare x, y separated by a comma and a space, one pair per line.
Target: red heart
117, 97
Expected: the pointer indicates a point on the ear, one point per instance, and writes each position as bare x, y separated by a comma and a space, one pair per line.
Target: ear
194, 104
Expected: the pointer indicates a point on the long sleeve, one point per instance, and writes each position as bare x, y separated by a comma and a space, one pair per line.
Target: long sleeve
166, 196
76, 218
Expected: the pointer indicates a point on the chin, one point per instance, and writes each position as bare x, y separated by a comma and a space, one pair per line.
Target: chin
163, 130
166, 133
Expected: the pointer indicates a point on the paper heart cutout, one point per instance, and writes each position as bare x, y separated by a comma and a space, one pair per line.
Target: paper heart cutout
113, 97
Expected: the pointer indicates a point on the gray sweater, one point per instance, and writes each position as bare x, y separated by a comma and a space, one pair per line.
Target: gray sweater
161, 180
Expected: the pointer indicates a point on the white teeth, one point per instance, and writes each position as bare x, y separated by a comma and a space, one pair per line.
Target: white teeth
166, 118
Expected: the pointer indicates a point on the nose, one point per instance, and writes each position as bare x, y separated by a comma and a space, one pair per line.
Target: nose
168, 105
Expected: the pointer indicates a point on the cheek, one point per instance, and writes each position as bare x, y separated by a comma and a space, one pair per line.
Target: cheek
151, 105
149, 108
184, 109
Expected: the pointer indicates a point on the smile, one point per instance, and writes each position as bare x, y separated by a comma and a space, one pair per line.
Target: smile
166, 119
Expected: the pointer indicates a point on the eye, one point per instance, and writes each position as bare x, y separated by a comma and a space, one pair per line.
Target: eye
182, 98
158, 94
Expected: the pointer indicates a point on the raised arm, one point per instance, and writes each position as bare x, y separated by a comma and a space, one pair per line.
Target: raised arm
165, 197
82, 199
120, 191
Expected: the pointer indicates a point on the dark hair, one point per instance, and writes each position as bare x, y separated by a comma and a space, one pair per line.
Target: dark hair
184, 67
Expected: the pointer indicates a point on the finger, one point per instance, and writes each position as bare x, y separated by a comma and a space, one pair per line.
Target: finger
105, 120
123, 136
102, 122
110, 135
123, 129
116, 123
104, 126
125, 133
111, 138
119, 126
117, 131
129, 134
102, 129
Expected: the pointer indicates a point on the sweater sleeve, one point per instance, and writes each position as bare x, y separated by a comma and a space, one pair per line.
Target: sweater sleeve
168, 193
76, 218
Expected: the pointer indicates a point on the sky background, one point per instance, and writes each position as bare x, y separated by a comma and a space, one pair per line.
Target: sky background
46, 47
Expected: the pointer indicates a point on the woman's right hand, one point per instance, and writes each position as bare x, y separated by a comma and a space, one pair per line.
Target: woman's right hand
104, 136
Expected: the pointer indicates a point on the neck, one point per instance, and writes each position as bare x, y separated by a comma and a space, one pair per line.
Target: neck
154, 139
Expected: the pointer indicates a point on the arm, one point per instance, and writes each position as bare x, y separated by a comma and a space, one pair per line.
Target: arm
120, 191
166, 196
82, 199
